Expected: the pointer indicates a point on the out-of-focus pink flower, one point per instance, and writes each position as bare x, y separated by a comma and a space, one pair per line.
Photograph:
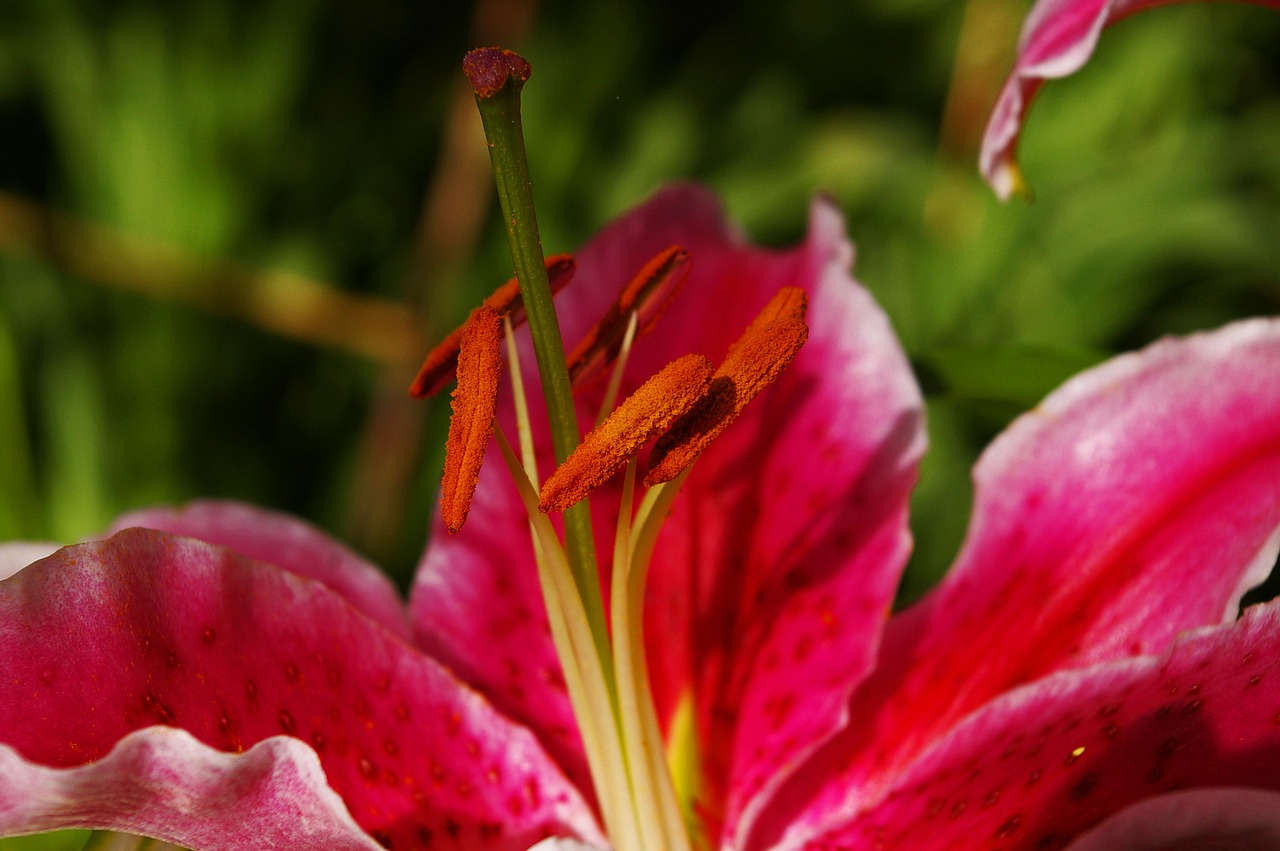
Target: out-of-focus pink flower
1057, 39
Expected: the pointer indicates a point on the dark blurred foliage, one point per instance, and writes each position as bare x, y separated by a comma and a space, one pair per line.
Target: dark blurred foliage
289, 148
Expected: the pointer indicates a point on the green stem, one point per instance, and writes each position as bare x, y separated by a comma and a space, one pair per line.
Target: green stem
497, 77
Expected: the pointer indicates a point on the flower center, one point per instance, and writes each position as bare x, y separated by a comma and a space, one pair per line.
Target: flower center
685, 406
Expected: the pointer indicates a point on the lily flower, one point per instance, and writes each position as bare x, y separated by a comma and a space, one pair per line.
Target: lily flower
1057, 39
223, 677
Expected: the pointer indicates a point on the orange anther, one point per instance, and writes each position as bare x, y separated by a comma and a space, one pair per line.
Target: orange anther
475, 404
754, 362
648, 411
649, 292
438, 369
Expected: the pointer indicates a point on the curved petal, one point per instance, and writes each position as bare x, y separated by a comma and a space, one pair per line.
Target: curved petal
1139, 500
285, 541
1057, 39
163, 783
1047, 763
1218, 819
18, 554
102, 639
745, 619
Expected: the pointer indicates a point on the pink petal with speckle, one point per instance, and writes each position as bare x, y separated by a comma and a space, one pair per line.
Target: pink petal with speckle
1047, 763
163, 783
147, 628
778, 564
285, 541
1139, 500
18, 554
1057, 39
1206, 820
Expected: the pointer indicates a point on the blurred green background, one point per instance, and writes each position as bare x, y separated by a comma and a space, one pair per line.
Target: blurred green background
227, 228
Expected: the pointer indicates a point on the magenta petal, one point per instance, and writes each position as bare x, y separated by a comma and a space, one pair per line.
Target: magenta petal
106, 638
1139, 500
285, 541
1057, 39
1207, 819
163, 783
772, 628
775, 573
1046, 763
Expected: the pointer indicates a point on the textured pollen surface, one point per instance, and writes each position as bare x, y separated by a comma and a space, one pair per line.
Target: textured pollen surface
754, 362
146, 628
647, 294
475, 402
646, 412
441, 363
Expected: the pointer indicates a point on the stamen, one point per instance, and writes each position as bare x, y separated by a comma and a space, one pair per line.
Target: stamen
438, 368
475, 405
658, 403
754, 362
647, 294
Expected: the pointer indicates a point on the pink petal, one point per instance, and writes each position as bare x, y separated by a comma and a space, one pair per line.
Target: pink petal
163, 783
1139, 500
1057, 39
1044, 764
285, 541
1217, 819
18, 554
144, 628
796, 603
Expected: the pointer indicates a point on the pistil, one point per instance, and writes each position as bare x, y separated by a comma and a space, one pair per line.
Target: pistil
685, 405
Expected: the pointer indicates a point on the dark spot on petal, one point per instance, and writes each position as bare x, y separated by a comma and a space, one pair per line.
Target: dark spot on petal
1009, 828
207, 637
391, 747
287, 723
402, 713
958, 808
317, 740
992, 798
367, 768
1255, 679
171, 660
1192, 707
1034, 777
291, 672
1084, 787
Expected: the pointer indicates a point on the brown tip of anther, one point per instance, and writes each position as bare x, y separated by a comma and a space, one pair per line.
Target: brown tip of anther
438, 368
648, 293
490, 69
658, 403
475, 404
754, 362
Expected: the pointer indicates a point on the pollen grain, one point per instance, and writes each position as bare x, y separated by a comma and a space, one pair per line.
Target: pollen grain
438, 367
475, 403
650, 410
752, 363
648, 294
